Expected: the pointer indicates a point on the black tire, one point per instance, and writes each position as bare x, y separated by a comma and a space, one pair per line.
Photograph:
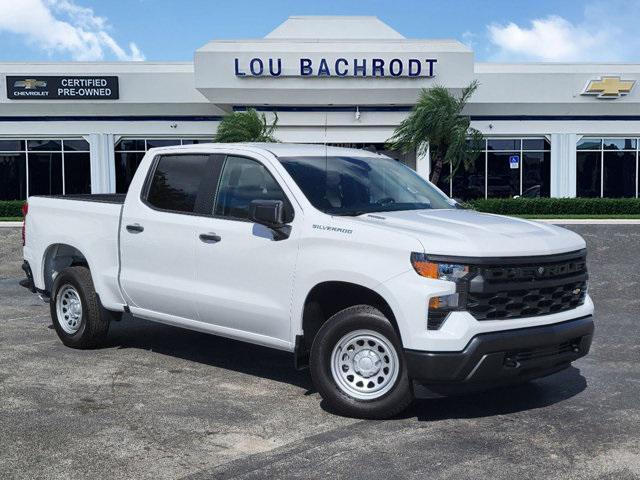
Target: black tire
94, 322
359, 317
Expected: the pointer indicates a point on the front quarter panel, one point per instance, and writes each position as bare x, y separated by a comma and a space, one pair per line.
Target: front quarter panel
337, 249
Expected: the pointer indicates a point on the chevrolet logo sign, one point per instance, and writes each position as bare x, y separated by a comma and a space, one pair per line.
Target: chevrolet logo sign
30, 84
609, 87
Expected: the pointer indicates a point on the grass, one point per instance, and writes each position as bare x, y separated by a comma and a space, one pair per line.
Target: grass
10, 219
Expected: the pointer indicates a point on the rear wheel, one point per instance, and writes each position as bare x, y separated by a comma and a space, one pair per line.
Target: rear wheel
78, 317
357, 364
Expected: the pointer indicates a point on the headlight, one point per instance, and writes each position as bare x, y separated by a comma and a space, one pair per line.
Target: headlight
439, 271
439, 307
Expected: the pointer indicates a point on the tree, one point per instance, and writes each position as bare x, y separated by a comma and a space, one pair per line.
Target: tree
249, 126
437, 119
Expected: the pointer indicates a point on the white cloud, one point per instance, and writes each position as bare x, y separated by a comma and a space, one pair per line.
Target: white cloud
555, 39
552, 39
470, 39
61, 26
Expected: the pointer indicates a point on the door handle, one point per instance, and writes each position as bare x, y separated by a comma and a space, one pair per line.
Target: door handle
135, 228
210, 237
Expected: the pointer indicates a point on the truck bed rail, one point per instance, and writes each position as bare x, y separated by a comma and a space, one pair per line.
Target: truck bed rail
117, 198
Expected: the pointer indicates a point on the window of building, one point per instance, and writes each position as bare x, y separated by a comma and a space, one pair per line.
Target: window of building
48, 166
502, 179
242, 181
588, 174
607, 167
13, 176
45, 173
506, 167
466, 184
129, 153
536, 173
176, 182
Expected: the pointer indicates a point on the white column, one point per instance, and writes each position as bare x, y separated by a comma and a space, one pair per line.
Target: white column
103, 166
423, 163
563, 164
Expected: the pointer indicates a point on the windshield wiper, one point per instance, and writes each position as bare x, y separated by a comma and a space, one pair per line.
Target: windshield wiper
377, 208
349, 213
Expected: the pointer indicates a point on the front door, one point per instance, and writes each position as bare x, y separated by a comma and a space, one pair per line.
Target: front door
245, 275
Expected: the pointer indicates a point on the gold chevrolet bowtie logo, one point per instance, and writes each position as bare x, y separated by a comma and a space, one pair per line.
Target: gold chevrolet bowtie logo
609, 87
30, 84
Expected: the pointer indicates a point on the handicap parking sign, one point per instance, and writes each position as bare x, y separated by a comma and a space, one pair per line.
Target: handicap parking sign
514, 161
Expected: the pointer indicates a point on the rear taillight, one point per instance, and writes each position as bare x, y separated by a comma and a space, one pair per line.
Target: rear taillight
25, 210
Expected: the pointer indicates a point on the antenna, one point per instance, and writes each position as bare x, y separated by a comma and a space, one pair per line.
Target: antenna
326, 121
326, 150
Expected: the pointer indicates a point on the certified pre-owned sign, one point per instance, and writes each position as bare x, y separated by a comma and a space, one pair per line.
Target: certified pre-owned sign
62, 88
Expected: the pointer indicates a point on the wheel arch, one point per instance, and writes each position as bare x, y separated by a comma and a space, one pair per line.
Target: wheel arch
328, 298
57, 257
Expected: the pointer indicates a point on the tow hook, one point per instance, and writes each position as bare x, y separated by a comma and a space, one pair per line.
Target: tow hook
510, 362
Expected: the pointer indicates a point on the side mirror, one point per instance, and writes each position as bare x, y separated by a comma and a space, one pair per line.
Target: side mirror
270, 213
267, 212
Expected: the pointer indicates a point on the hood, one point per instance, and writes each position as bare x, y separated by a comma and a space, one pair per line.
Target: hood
473, 234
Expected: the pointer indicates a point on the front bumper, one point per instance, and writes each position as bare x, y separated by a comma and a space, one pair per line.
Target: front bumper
503, 357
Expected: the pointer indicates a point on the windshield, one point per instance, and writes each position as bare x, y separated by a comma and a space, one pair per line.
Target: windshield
357, 185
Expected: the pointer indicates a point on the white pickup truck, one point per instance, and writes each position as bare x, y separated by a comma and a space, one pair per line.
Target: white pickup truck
369, 274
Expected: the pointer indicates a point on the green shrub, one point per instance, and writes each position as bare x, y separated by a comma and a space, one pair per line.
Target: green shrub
557, 206
11, 208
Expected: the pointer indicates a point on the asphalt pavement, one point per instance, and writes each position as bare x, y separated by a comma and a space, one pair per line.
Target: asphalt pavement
160, 402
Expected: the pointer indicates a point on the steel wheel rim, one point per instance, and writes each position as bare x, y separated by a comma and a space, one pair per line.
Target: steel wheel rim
364, 364
69, 309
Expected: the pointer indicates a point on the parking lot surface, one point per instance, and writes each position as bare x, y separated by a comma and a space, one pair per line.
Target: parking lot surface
159, 402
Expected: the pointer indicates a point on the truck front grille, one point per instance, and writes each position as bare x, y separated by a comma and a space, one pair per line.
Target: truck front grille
537, 286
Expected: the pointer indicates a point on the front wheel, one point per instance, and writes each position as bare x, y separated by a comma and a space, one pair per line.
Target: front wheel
357, 364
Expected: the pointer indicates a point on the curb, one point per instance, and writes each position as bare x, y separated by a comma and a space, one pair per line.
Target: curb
10, 224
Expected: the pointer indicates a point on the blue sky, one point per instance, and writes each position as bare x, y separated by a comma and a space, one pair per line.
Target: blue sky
160, 30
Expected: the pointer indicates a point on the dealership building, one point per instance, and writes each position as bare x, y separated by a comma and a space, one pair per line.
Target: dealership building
559, 130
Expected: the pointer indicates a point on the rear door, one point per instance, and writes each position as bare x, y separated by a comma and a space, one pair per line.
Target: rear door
159, 234
245, 275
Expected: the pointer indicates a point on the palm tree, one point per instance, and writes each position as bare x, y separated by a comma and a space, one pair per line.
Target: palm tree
249, 126
437, 121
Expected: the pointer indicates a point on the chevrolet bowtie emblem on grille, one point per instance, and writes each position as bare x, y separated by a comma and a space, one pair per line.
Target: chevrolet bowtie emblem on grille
30, 84
609, 87
576, 291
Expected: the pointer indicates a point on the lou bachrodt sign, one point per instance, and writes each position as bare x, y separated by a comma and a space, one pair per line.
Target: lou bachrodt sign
62, 88
339, 67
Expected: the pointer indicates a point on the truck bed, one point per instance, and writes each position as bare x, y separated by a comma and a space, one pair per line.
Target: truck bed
88, 224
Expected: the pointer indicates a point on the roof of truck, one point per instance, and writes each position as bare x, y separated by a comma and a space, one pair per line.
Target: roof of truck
284, 149
312, 150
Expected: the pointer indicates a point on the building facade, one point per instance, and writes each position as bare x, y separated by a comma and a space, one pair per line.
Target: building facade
559, 130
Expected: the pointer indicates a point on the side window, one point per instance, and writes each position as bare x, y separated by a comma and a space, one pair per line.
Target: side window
242, 181
177, 181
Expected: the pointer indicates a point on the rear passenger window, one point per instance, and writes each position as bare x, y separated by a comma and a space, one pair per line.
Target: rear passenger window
176, 182
242, 181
